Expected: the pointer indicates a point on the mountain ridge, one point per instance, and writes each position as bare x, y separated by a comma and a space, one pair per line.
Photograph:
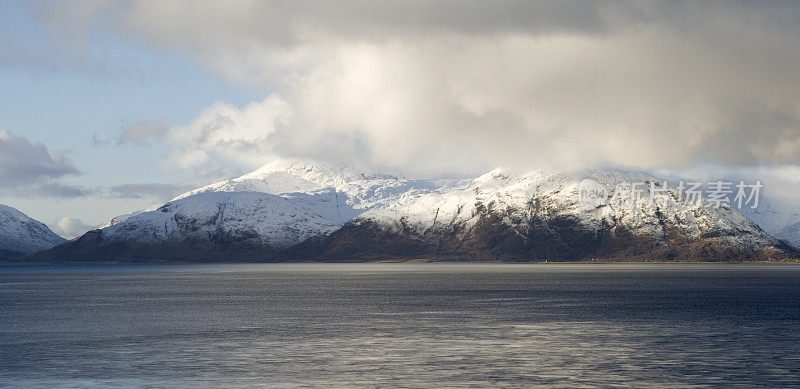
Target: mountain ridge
306, 210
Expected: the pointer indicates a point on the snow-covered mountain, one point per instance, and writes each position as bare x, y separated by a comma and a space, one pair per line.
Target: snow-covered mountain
256, 216
20, 235
538, 216
295, 209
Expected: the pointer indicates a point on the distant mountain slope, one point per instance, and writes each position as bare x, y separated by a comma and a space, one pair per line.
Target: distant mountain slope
537, 216
773, 217
791, 235
20, 235
306, 210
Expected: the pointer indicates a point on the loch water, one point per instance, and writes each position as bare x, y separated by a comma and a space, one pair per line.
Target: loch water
400, 325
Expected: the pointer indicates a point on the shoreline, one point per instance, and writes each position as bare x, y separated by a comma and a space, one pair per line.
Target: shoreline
407, 261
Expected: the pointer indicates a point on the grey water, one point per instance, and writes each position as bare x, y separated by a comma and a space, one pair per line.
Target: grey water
399, 325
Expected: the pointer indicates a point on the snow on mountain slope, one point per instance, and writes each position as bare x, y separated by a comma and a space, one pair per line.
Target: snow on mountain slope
283, 203
20, 235
791, 235
556, 193
274, 221
772, 216
305, 209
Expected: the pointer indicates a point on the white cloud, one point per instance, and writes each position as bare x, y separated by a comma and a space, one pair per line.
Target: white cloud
460, 87
69, 227
224, 134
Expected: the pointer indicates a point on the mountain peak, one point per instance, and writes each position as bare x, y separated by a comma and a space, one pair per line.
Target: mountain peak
322, 173
293, 175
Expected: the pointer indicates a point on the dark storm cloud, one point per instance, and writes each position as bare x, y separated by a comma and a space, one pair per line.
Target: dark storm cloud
56, 190
30, 169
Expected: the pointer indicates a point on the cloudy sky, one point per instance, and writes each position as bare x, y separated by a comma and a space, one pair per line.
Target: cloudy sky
111, 107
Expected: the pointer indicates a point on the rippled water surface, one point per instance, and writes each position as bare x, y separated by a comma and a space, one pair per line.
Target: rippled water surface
399, 325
